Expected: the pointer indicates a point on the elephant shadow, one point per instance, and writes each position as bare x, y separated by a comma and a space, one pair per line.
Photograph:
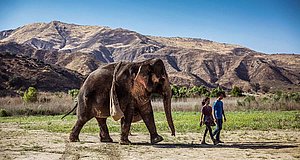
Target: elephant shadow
239, 145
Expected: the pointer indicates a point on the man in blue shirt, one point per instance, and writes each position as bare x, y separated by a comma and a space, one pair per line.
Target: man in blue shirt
218, 113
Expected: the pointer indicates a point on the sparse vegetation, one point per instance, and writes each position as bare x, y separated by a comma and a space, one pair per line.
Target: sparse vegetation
3, 113
215, 92
195, 91
236, 92
73, 93
30, 95
184, 122
59, 103
255, 87
277, 101
47, 104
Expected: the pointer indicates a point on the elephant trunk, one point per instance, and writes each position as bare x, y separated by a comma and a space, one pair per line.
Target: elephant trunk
167, 95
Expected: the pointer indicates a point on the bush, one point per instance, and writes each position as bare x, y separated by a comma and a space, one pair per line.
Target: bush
182, 92
295, 97
73, 93
249, 99
265, 89
216, 91
3, 113
197, 91
255, 87
30, 95
236, 92
249, 102
279, 96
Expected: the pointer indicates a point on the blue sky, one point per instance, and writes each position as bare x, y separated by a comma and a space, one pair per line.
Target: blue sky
270, 26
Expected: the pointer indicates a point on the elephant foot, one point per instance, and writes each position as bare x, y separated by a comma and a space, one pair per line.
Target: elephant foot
74, 138
125, 142
108, 139
156, 139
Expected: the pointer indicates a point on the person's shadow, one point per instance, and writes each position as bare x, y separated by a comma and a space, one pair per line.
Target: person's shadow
244, 145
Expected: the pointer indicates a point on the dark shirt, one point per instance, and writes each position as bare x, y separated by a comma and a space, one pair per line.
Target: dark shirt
207, 112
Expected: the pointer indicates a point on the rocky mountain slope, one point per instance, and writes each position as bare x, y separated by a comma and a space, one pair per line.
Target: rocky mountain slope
19, 72
189, 61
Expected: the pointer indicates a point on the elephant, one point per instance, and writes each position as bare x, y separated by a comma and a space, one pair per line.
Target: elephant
123, 90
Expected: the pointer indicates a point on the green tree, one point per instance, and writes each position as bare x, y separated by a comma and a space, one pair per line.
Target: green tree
183, 92
175, 91
30, 95
73, 93
236, 92
216, 91
197, 91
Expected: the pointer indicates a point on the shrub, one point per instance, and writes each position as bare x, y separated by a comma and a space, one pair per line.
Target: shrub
280, 96
174, 91
3, 113
179, 92
255, 87
30, 95
265, 89
236, 92
73, 93
295, 96
249, 99
216, 91
58, 94
197, 91
183, 92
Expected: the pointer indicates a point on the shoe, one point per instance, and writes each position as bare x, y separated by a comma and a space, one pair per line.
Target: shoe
219, 141
215, 142
203, 142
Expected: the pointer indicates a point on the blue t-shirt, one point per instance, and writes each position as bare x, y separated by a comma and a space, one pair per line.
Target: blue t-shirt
218, 109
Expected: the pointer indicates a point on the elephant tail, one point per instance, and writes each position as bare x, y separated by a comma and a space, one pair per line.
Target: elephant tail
70, 111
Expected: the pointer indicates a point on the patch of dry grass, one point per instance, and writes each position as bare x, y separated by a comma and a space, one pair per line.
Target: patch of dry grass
194, 104
48, 104
61, 103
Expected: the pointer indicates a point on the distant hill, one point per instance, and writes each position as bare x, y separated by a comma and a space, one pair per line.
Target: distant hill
19, 72
189, 61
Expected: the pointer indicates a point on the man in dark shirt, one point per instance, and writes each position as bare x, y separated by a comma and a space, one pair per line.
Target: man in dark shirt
219, 113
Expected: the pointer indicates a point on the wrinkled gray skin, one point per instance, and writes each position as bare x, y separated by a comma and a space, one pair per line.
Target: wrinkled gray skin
135, 82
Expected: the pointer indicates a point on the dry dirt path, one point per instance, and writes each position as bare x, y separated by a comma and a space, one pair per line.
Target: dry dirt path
16, 143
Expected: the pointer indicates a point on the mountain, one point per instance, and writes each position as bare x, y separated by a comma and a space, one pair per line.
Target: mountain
19, 72
189, 61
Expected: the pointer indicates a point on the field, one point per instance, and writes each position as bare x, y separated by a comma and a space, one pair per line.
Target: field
256, 128
251, 135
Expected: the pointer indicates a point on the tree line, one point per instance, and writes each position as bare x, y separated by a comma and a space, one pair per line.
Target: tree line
197, 91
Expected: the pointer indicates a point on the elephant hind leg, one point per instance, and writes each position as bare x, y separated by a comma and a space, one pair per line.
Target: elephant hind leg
74, 136
104, 133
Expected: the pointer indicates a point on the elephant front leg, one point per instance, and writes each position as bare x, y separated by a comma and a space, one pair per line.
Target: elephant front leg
125, 127
148, 118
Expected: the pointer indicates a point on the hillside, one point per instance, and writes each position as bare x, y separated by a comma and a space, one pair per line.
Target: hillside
20, 72
189, 61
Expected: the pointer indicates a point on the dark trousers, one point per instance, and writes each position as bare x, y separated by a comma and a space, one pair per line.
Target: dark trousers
218, 129
208, 128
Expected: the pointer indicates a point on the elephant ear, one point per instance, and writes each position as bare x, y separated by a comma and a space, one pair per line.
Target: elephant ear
143, 75
115, 109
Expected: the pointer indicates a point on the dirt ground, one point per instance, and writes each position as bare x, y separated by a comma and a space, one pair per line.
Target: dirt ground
16, 143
